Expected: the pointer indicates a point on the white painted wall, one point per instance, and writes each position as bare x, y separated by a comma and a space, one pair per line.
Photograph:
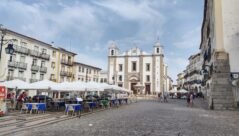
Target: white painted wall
230, 12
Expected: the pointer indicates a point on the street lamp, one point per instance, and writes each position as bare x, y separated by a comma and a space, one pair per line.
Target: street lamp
9, 49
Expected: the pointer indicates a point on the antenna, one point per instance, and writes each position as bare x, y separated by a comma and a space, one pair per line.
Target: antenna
157, 36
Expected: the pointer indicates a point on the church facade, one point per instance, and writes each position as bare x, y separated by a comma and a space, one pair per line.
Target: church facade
136, 66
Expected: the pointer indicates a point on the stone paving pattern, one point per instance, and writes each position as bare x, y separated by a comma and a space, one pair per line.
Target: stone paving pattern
147, 118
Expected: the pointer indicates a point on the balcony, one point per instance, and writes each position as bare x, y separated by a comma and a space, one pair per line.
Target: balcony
66, 62
39, 55
45, 56
53, 79
22, 50
12, 64
69, 74
34, 53
33, 80
43, 69
22, 65
10, 78
63, 73
20, 78
35, 68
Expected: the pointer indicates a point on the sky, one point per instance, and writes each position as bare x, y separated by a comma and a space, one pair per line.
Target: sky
87, 27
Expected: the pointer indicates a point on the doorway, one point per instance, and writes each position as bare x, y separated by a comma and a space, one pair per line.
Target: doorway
147, 89
133, 89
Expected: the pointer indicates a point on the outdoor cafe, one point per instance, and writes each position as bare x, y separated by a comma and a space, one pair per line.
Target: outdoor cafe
78, 96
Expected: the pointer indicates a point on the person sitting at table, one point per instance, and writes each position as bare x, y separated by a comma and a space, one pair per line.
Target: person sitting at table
29, 99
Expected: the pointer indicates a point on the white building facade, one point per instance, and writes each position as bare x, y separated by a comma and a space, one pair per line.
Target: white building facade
219, 49
103, 76
134, 65
193, 76
30, 62
86, 73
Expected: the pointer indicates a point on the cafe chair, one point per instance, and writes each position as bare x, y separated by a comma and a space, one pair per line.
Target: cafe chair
24, 108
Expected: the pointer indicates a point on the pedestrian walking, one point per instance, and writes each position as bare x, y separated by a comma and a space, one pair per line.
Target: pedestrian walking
188, 99
159, 96
165, 98
191, 100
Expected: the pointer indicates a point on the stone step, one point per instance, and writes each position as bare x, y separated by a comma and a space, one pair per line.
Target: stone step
224, 89
221, 63
221, 68
221, 75
220, 85
223, 101
223, 107
223, 97
222, 81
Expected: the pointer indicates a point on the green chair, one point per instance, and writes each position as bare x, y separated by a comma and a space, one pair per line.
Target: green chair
105, 103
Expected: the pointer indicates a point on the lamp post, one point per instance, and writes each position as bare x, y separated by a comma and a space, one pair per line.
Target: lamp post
9, 49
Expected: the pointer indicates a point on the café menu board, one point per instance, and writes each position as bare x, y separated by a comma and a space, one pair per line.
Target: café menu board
2, 92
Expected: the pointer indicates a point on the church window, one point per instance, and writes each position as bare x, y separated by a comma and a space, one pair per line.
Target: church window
147, 67
120, 67
112, 52
134, 66
157, 50
147, 78
120, 78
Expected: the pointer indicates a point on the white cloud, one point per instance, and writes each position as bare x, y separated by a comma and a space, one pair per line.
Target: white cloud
84, 24
93, 61
38, 21
149, 19
190, 39
131, 10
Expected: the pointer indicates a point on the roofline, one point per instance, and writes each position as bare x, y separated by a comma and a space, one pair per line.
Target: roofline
31, 38
64, 50
193, 56
79, 63
47, 44
148, 55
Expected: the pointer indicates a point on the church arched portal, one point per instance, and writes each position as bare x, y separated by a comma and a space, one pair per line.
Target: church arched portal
133, 81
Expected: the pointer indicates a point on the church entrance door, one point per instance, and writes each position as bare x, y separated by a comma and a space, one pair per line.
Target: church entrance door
133, 89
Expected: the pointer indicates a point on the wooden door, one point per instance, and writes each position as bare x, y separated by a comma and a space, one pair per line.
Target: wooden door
147, 89
133, 89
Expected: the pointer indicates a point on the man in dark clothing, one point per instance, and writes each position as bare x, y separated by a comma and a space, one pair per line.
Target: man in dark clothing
188, 99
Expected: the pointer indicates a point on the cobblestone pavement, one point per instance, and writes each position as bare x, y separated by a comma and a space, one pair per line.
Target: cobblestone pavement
147, 118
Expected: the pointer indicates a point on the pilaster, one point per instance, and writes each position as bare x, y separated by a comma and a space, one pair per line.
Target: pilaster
161, 73
153, 90
126, 80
